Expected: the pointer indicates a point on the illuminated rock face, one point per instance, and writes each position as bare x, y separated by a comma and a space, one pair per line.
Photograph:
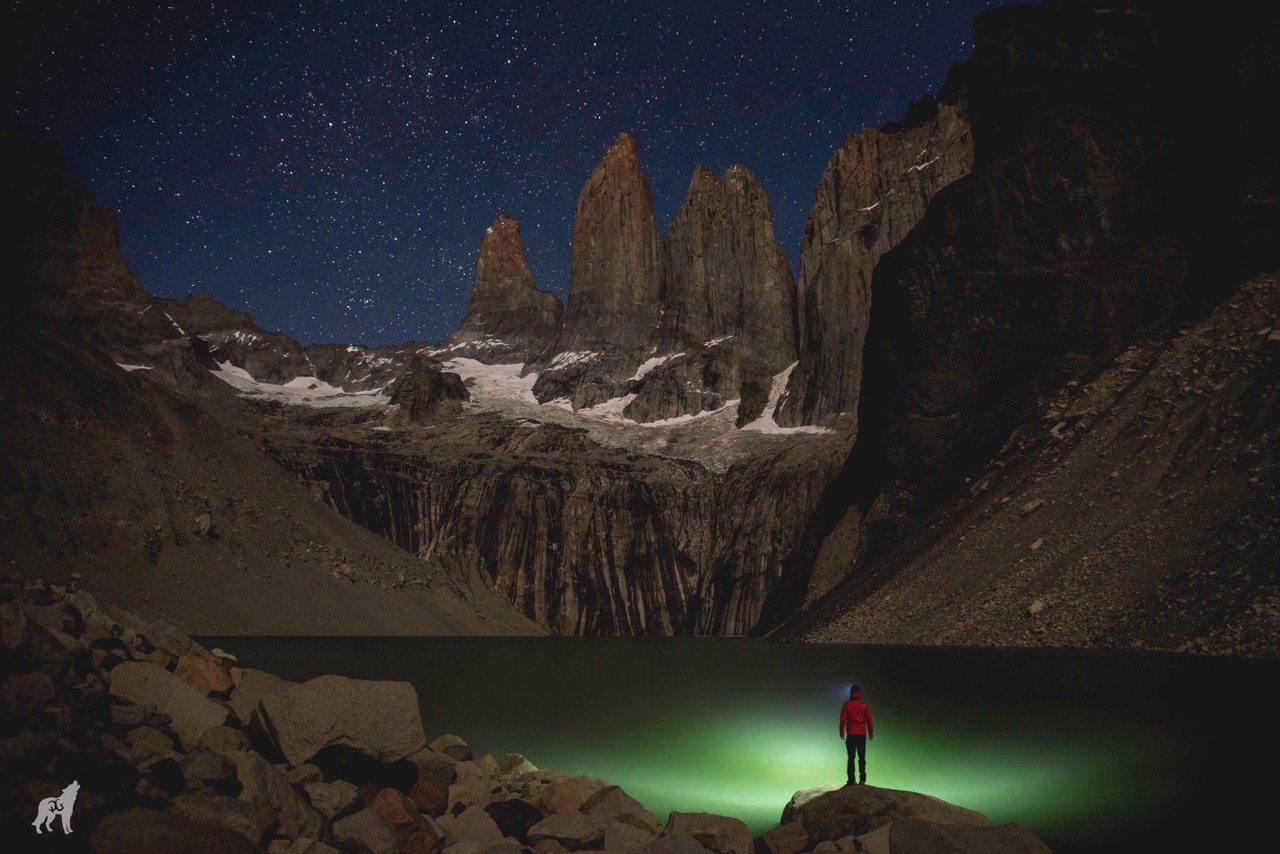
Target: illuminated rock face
615, 283
507, 319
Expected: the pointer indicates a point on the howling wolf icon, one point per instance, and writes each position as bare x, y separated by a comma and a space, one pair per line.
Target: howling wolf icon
62, 805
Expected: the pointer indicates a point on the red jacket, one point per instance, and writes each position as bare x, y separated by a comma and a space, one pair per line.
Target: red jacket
855, 717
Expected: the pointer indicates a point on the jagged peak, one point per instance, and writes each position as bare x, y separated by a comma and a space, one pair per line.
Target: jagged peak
504, 223
624, 144
620, 156
702, 176
736, 176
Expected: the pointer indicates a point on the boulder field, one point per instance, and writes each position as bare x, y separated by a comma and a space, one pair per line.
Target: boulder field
179, 748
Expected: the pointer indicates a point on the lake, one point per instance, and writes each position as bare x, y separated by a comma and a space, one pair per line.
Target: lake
1094, 751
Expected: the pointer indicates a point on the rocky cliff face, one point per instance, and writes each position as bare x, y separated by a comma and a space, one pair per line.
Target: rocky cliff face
66, 246
875, 189
728, 301
508, 319
615, 283
426, 394
1069, 239
583, 538
1063, 243
727, 278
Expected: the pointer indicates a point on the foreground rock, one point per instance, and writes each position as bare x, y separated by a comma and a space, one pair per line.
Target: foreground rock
164, 766
856, 810
145, 684
379, 720
916, 834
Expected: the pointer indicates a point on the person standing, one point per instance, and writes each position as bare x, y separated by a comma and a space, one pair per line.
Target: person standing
855, 728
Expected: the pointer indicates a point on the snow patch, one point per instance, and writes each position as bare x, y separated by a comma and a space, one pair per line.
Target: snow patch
696, 416
490, 383
610, 410
922, 166
649, 364
299, 391
766, 424
572, 357
487, 343
132, 368
181, 331
714, 341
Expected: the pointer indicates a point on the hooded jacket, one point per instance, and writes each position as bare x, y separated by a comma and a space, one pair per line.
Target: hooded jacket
855, 716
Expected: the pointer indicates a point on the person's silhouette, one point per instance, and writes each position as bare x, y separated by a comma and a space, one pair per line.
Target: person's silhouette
855, 729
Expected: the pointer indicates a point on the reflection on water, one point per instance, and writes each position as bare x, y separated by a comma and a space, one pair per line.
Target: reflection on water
1089, 749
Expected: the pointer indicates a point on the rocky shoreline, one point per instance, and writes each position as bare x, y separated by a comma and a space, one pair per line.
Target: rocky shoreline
178, 748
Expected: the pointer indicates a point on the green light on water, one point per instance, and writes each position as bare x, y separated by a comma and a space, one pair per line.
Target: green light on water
750, 766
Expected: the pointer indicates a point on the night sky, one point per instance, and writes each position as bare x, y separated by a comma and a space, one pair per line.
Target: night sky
330, 167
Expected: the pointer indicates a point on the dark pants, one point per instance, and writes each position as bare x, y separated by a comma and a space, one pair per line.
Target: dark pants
857, 747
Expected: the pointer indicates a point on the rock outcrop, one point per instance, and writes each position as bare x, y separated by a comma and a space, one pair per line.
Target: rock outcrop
65, 245
615, 282
233, 336
875, 189
855, 810
507, 319
426, 394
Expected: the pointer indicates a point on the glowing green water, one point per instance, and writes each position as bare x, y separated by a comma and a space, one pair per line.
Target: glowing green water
1088, 749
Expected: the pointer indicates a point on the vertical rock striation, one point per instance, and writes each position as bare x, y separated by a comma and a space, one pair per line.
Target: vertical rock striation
875, 189
582, 538
508, 319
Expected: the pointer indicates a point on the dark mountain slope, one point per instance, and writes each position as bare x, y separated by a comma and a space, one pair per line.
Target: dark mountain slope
1141, 508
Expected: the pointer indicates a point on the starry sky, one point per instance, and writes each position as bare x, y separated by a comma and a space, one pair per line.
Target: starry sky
330, 167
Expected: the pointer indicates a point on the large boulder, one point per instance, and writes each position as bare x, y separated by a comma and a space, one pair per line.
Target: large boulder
623, 838
252, 687
861, 809
204, 769
414, 834
191, 713
613, 804
364, 831
717, 833
514, 816
574, 830
908, 835
675, 843
379, 720
263, 783
452, 746
791, 812
250, 820
169, 638
141, 829
203, 671
473, 824
334, 799
789, 838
